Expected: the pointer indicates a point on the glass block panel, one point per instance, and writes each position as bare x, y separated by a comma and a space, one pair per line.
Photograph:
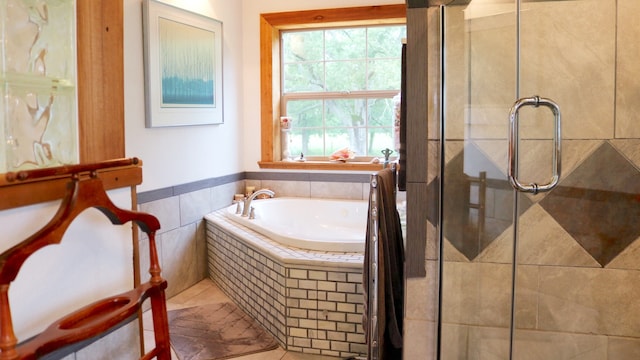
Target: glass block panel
38, 121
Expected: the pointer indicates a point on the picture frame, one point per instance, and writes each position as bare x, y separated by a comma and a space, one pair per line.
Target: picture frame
182, 67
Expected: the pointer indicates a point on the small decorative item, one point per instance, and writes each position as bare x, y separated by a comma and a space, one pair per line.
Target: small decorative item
183, 66
342, 155
285, 140
386, 152
285, 123
301, 158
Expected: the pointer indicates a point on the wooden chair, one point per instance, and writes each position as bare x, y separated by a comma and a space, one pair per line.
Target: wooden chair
83, 192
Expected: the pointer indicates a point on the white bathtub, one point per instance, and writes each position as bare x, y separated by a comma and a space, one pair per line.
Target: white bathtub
313, 224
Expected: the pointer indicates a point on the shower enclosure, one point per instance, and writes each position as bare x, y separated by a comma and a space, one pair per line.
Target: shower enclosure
536, 239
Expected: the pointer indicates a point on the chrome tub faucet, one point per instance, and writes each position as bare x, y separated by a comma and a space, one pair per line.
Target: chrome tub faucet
247, 201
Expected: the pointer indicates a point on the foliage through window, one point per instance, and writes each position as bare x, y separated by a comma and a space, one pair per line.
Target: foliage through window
341, 87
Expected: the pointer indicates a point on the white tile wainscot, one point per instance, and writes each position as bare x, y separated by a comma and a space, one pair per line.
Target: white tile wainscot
310, 301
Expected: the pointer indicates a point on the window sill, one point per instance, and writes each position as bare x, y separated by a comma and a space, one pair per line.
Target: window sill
319, 165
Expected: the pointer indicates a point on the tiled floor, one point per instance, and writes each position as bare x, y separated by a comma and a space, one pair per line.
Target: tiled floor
206, 292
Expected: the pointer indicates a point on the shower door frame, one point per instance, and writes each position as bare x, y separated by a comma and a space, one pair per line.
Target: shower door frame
615, 267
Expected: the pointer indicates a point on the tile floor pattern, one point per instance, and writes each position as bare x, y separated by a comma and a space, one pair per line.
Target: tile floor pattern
207, 292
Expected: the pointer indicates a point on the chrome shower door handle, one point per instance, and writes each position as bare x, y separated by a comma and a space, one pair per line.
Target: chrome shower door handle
514, 139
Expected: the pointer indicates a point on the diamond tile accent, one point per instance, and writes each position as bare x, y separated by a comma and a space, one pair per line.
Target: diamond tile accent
599, 204
476, 211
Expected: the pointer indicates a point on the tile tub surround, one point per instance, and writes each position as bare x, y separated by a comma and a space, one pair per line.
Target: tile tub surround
577, 276
310, 301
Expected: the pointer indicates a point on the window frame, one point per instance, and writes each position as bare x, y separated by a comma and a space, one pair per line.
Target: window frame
270, 88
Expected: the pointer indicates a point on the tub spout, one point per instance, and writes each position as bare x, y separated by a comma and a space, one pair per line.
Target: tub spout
249, 199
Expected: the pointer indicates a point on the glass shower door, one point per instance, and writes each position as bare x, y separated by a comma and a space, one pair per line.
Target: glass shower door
540, 274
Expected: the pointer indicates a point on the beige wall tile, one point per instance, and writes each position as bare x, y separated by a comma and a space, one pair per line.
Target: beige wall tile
123, 344
422, 295
574, 152
585, 300
527, 297
544, 242
222, 196
419, 339
194, 204
628, 70
476, 293
178, 258
257, 184
491, 65
431, 248
629, 148
488, 343
623, 348
500, 250
628, 259
450, 253
496, 151
288, 188
433, 73
455, 74
201, 254
144, 261
536, 161
574, 66
493, 344
337, 190
167, 211
433, 162
481, 55
455, 344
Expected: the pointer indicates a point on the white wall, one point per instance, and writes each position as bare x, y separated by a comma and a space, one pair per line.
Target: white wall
179, 155
251, 11
93, 261
171, 156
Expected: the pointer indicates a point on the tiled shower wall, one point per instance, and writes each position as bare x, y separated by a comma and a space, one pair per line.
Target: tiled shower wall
578, 245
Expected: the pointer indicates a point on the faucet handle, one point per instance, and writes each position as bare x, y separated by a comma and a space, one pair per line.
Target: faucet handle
252, 213
238, 207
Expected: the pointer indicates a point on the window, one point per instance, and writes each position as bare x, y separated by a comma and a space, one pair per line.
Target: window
337, 88
340, 86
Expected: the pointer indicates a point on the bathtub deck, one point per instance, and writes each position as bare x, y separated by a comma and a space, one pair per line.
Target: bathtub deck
283, 253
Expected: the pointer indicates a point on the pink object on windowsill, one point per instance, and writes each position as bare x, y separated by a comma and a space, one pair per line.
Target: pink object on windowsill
343, 155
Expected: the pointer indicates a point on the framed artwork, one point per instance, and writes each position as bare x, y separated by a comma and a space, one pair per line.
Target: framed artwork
183, 66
